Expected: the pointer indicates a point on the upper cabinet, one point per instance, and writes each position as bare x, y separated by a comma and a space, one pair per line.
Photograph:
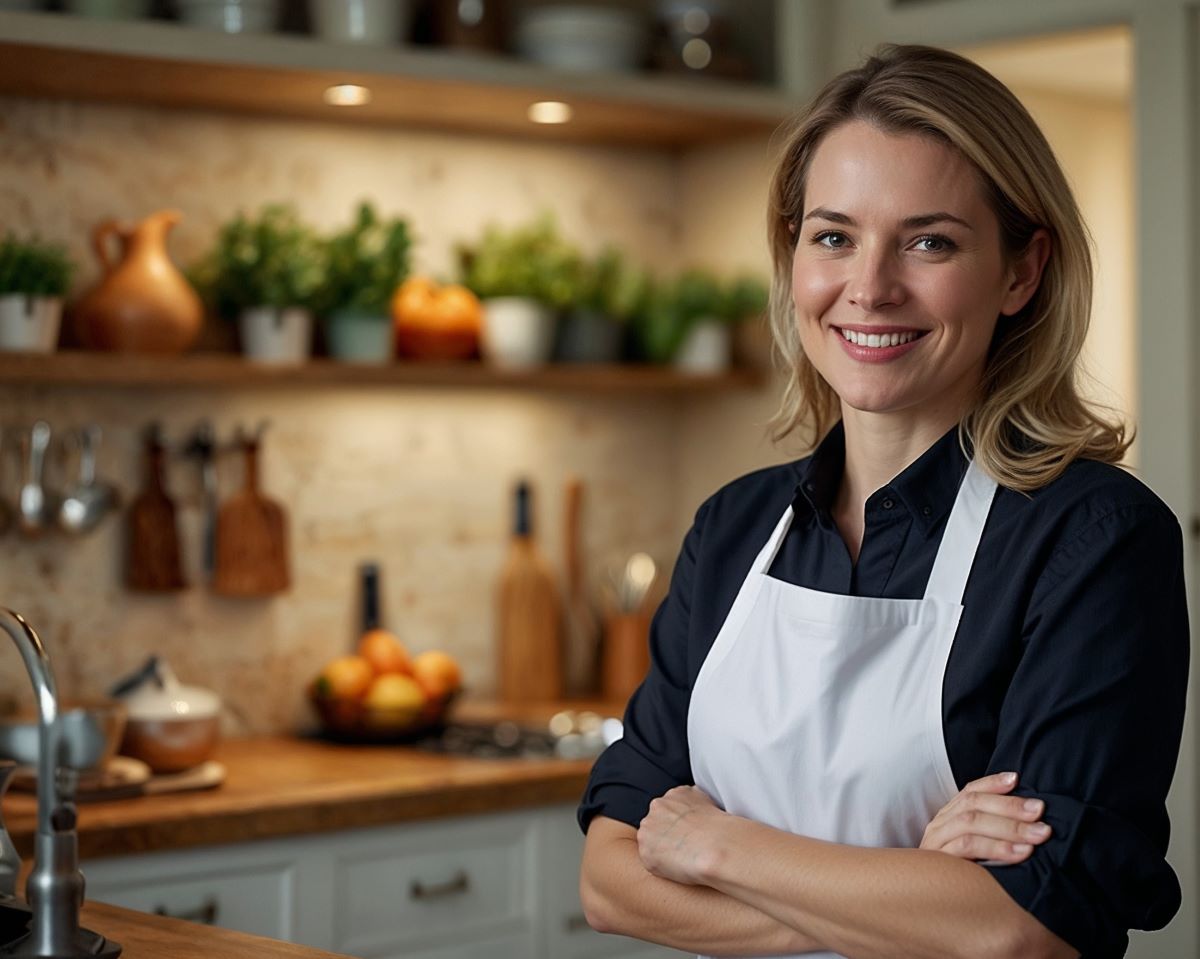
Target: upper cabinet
164, 63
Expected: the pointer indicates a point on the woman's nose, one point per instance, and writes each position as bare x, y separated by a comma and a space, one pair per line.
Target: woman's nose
874, 282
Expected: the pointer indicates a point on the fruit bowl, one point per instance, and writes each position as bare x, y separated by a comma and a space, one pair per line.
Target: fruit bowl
346, 720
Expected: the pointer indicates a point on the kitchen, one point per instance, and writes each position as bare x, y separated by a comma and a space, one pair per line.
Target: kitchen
417, 477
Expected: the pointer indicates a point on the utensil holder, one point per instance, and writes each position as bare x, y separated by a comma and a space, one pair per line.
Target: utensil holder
625, 658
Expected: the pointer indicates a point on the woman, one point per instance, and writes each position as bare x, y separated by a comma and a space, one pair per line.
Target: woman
920, 693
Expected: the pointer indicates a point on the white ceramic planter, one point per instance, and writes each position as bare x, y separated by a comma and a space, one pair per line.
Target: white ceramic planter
29, 324
706, 348
230, 16
582, 37
274, 336
518, 332
379, 22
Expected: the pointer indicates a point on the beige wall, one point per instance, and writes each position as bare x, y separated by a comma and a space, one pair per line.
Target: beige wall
417, 479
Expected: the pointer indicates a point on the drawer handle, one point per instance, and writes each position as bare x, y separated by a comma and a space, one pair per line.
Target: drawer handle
206, 914
577, 923
440, 890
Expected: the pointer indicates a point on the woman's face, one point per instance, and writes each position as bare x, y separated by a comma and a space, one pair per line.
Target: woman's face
898, 276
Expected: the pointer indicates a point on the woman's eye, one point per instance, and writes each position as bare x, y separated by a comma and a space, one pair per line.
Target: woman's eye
938, 243
837, 240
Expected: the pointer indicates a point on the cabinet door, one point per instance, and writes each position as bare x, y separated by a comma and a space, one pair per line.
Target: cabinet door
250, 893
568, 936
519, 946
427, 886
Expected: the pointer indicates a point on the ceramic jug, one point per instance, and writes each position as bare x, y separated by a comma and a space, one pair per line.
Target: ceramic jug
142, 303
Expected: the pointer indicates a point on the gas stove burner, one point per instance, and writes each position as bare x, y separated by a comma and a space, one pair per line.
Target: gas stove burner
506, 739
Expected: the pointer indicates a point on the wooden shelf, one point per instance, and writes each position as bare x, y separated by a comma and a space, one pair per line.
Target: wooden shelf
201, 370
162, 63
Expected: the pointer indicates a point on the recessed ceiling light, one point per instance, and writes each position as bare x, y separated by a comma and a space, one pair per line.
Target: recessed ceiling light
347, 95
550, 111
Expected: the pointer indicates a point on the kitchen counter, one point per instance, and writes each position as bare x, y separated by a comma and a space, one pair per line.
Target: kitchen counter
144, 936
280, 785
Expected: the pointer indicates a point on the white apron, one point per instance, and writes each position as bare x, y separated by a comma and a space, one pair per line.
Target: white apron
821, 714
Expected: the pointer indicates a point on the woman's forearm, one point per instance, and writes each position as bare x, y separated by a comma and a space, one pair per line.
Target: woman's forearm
870, 903
621, 896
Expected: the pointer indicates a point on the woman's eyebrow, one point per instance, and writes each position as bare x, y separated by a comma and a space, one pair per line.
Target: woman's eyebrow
912, 222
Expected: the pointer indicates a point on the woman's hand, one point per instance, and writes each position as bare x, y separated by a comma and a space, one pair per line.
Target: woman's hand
981, 823
677, 839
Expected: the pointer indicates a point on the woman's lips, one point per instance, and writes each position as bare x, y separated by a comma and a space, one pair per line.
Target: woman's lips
878, 354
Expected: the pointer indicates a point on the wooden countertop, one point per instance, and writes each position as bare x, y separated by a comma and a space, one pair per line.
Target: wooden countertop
143, 936
279, 785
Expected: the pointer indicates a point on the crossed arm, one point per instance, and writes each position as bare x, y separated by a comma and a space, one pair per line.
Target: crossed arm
695, 878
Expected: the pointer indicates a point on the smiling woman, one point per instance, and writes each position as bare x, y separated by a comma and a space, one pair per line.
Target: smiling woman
921, 692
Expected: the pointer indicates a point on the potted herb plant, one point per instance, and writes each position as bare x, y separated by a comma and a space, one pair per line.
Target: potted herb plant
34, 277
524, 276
265, 272
610, 293
711, 309
365, 264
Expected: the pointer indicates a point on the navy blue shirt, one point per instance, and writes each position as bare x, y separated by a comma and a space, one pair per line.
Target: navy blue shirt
1069, 666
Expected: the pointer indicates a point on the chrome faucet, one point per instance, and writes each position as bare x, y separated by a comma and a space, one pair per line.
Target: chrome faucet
55, 886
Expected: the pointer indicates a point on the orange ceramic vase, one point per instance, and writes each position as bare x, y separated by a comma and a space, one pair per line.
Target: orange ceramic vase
142, 303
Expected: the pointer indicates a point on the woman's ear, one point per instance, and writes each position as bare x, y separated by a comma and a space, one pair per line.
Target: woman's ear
792, 227
1025, 273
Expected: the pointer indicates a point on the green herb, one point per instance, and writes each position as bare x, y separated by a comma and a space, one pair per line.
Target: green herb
672, 307
610, 286
273, 260
530, 261
33, 267
365, 263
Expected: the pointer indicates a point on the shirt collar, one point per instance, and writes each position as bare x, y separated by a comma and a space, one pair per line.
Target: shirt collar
927, 487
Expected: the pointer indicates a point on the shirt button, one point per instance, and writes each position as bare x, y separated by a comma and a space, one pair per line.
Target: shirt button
888, 503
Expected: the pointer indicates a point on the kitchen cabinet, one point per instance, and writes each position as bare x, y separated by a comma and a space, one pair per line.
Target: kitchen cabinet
502, 885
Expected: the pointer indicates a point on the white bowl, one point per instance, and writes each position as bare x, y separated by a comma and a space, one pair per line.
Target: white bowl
379, 22
230, 16
582, 38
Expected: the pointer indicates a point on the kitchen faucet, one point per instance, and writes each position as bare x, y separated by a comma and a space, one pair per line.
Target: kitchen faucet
55, 886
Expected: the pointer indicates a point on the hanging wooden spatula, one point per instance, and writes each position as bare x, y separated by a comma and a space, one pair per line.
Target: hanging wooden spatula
252, 539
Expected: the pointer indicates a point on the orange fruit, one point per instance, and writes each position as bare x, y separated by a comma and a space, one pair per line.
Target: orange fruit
458, 308
384, 651
395, 691
437, 672
347, 677
413, 299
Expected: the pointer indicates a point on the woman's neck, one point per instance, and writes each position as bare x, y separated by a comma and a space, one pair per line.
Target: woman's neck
878, 448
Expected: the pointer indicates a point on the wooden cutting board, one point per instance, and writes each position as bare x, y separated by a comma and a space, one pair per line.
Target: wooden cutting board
153, 553
529, 617
252, 539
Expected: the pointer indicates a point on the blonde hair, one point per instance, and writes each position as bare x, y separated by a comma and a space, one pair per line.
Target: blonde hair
1029, 422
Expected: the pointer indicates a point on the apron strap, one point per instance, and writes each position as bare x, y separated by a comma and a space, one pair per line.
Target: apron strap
964, 528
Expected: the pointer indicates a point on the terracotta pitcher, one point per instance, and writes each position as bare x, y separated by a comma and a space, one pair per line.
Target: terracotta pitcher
142, 303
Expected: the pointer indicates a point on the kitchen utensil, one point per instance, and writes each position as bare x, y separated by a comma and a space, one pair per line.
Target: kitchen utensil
142, 303
203, 446
35, 505
154, 561
82, 510
640, 573
10, 859
90, 735
581, 624
6, 509
529, 641
252, 543
170, 727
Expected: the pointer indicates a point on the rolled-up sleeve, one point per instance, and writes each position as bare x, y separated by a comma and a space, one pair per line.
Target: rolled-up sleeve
1092, 724
651, 757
